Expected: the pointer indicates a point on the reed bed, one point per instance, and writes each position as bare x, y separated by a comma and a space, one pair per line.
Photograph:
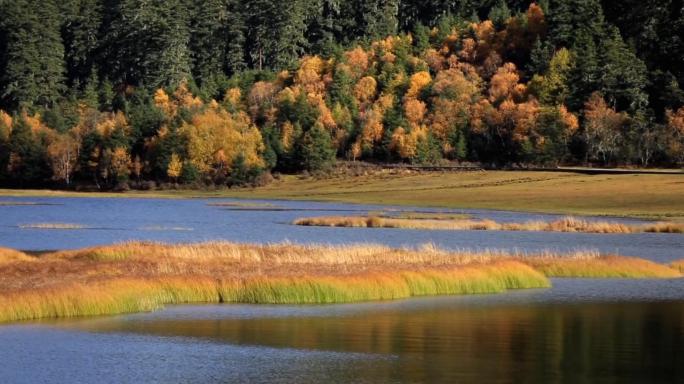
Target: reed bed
140, 276
603, 267
665, 227
566, 224
429, 216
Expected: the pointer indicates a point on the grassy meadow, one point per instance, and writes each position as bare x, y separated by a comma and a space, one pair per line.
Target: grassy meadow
134, 277
633, 195
566, 224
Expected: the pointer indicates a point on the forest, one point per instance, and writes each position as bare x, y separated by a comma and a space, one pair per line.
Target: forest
112, 94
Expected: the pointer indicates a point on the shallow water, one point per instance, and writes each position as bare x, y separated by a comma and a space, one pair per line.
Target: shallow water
613, 331
114, 220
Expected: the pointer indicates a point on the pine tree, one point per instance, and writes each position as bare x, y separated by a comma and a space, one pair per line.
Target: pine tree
147, 42
324, 29
571, 19
315, 151
584, 78
276, 32
499, 14
623, 79
540, 57
80, 33
380, 18
208, 42
34, 67
234, 60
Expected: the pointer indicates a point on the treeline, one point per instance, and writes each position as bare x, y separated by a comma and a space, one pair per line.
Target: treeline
111, 92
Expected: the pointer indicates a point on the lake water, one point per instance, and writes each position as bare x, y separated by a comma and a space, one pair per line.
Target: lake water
115, 220
579, 331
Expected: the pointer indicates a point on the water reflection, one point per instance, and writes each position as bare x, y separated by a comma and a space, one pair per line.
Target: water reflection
557, 335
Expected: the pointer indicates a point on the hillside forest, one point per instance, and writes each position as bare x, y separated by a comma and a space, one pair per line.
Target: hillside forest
117, 93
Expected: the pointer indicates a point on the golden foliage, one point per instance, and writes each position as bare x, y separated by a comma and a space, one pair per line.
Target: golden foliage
111, 122
287, 135
175, 167
218, 136
536, 20
325, 116
405, 144
63, 154
434, 59
414, 110
309, 74
120, 162
503, 84
675, 121
366, 89
569, 119
358, 61
5, 125
418, 81
163, 102
233, 96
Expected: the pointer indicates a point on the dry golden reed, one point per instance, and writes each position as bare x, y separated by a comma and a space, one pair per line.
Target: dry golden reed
138, 276
8, 256
566, 224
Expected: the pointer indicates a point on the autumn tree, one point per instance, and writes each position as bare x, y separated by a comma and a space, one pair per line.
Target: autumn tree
63, 154
175, 167
215, 138
675, 133
28, 163
602, 128
119, 164
553, 87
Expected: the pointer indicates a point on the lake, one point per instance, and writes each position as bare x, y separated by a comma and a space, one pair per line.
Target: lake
581, 330
194, 220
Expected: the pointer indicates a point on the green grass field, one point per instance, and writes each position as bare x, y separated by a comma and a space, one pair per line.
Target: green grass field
638, 195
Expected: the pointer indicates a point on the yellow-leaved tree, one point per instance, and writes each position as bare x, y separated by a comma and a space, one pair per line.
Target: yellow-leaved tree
175, 167
215, 139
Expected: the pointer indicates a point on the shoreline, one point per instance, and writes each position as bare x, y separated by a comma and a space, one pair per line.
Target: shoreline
639, 196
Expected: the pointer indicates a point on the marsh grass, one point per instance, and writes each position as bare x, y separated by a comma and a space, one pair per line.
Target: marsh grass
603, 267
138, 276
431, 216
11, 256
52, 226
566, 224
665, 227
678, 264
